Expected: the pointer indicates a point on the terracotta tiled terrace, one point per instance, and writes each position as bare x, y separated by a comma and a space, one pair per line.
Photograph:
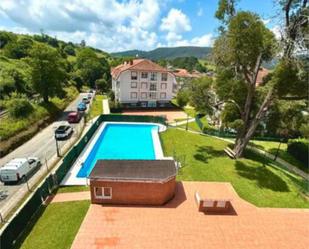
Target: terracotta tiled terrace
178, 224
170, 115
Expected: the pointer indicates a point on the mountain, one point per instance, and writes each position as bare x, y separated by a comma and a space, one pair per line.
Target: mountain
167, 53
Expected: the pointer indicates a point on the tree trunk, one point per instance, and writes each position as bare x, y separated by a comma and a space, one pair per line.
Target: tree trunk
242, 141
45, 98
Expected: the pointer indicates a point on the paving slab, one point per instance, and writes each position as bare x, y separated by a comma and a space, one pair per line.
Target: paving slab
178, 224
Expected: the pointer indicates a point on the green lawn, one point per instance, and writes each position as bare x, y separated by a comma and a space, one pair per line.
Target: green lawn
96, 107
57, 226
193, 125
203, 159
272, 147
69, 189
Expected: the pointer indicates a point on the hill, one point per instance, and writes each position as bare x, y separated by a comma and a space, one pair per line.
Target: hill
167, 53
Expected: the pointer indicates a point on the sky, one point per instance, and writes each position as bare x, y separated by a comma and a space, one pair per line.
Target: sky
115, 25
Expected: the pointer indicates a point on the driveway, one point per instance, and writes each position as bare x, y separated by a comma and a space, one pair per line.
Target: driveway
43, 146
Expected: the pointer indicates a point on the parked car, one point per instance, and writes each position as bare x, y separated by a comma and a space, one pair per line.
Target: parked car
74, 117
81, 107
63, 132
86, 100
89, 96
18, 169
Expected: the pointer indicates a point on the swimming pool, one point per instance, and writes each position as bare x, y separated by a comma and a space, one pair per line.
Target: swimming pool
121, 141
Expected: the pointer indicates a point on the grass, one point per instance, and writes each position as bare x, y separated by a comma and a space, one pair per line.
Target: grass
70, 189
203, 159
272, 148
193, 125
55, 226
96, 107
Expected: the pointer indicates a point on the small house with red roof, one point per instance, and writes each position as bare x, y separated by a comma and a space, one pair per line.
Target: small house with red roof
143, 83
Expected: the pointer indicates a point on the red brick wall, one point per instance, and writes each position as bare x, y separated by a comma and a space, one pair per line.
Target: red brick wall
135, 192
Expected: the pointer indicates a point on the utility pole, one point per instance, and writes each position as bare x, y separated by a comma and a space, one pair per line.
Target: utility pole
57, 148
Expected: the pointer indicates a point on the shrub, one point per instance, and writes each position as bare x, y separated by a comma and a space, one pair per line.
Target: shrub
182, 98
19, 108
299, 149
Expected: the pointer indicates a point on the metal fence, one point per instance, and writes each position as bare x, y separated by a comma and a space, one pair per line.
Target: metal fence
224, 134
12, 232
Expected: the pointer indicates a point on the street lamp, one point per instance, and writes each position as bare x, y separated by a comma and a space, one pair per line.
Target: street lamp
187, 121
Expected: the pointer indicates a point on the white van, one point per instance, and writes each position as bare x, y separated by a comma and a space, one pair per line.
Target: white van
18, 169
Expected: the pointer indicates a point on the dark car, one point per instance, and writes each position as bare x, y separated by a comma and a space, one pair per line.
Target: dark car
81, 107
74, 117
63, 132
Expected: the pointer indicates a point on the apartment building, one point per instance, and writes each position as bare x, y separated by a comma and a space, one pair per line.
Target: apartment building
143, 83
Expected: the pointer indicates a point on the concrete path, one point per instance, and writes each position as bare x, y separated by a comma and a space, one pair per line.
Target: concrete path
74, 196
182, 122
105, 104
280, 161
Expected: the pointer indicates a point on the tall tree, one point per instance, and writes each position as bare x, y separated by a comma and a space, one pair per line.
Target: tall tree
239, 52
47, 71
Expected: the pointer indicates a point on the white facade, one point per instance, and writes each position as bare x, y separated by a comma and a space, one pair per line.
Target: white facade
145, 87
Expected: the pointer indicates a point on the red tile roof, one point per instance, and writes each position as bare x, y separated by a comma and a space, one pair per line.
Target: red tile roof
138, 65
183, 73
261, 74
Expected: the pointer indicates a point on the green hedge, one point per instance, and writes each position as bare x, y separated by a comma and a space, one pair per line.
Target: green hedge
299, 149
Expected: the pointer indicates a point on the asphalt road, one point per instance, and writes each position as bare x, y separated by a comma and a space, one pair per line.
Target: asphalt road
42, 145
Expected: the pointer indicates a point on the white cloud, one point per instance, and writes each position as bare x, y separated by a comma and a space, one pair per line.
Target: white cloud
200, 41
175, 22
266, 21
107, 24
277, 31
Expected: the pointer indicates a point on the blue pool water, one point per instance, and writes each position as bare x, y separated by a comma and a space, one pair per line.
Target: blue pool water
121, 141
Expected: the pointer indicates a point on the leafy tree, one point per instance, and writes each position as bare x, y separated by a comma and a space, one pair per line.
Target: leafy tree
69, 49
83, 43
47, 71
18, 49
182, 97
239, 52
103, 84
6, 37
201, 95
90, 67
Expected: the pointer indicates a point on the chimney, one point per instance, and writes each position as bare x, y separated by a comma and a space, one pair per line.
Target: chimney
131, 62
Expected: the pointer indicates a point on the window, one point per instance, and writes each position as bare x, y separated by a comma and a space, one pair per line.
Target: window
144, 75
153, 87
144, 95
163, 86
133, 95
162, 95
144, 85
133, 75
103, 192
164, 76
153, 76
133, 84
152, 95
